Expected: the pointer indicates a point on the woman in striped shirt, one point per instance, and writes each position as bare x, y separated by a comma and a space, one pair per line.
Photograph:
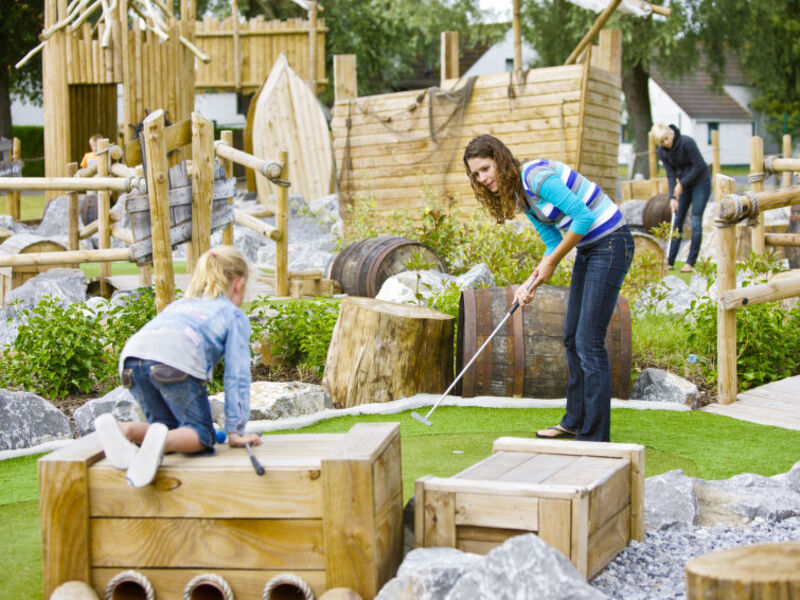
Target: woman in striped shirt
568, 211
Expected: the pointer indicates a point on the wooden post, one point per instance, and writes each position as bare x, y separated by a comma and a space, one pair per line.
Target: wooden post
652, 156
186, 73
715, 166
727, 387
103, 218
158, 193
449, 55
202, 187
517, 27
12, 197
756, 169
56, 95
64, 511
227, 233
312, 46
282, 223
72, 211
786, 176
611, 51
237, 49
596, 27
345, 78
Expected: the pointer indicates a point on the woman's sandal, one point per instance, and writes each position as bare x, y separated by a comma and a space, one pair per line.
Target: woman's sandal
559, 431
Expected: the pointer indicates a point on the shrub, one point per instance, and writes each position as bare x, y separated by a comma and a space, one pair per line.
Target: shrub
298, 331
58, 350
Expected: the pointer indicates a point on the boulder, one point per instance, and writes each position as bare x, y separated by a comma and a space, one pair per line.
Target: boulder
670, 501
55, 219
6, 222
429, 574
271, 400
792, 479
657, 385
29, 420
119, 402
68, 285
632, 211
478, 276
404, 287
524, 567
740, 500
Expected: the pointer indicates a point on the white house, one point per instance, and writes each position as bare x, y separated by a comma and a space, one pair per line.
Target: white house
499, 58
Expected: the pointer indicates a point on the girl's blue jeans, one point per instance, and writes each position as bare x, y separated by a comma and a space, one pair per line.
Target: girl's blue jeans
597, 277
696, 196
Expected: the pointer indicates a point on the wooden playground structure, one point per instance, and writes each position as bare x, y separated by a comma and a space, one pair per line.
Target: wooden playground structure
154, 61
110, 174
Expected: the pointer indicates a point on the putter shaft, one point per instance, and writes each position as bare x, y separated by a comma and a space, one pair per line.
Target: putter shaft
256, 464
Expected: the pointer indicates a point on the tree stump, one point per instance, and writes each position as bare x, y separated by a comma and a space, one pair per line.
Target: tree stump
382, 351
763, 571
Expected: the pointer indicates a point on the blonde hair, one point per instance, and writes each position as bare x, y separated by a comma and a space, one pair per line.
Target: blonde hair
502, 205
658, 131
216, 271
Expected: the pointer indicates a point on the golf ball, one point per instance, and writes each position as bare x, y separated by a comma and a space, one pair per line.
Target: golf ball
221, 436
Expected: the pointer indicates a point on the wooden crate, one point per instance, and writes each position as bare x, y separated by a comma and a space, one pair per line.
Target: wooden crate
328, 509
585, 499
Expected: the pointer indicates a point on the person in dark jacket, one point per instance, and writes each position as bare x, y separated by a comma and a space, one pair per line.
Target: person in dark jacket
689, 185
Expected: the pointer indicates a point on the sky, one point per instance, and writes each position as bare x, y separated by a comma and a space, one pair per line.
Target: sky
500, 8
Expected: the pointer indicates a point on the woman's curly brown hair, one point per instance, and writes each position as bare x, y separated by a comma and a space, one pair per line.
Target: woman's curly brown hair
502, 205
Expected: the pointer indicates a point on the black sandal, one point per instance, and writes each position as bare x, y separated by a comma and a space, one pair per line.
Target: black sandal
560, 432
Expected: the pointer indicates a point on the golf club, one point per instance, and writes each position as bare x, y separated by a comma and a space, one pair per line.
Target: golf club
424, 420
669, 239
256, 465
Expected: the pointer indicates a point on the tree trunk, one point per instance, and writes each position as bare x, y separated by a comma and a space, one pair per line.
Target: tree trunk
637, 100
5, 106
382, 351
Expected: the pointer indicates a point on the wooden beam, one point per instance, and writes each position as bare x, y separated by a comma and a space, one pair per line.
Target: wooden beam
246, 220
345, 78
781, 165
517, 32
202, 187
786, 176
65, 258
269, 168
71, 184
449, 55
782, 239
227, 138
103, 219
727, 386
56, 96
282, 223
595, 28
758, 294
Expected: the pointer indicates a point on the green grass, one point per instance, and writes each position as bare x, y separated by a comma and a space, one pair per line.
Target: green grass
31, 206
703, 445
92, 270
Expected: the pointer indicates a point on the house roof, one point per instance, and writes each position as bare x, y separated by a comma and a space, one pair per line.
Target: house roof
694, 94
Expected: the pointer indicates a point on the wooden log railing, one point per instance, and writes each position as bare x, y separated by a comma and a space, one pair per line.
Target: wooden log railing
731, 209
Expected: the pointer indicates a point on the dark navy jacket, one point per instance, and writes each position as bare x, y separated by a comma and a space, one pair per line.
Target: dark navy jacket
683, 161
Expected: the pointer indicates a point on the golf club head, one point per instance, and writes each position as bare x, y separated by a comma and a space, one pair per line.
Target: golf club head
421, 419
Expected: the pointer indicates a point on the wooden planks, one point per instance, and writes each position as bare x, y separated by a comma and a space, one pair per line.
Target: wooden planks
384, 146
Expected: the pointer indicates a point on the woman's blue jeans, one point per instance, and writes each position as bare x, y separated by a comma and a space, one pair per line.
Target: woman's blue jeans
696, 196
597, 277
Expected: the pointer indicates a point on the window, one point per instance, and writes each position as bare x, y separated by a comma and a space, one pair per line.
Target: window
509, 65
712, 126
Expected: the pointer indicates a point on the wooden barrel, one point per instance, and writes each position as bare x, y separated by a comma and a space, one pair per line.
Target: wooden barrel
364, 266
656, 211
527, 356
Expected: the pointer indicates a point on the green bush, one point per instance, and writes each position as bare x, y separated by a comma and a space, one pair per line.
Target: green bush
58, 350
299, 332
32, 139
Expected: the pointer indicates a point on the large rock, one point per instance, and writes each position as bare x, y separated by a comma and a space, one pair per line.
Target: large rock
429, 574
524, 567
28, 420
657, 385
6, 222
271, 400
632, 210
478, 276
670, 501
55, 219
792, 478
68, 285
404, 287
119, 402
742, 498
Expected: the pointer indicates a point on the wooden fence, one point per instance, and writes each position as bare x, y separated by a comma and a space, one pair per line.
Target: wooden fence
733, 208
391, 146
242, 54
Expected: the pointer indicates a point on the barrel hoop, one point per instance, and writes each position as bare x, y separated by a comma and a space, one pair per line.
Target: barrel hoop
626, 338
341, 260
516, 345
361, 287
485, 360
468, 351
376, 263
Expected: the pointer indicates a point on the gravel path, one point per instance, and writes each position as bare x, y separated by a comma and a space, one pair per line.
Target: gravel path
654, 568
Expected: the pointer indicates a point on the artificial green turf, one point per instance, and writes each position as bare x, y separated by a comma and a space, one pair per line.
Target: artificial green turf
703, 445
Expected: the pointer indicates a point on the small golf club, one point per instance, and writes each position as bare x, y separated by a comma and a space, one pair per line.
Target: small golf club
669, 239
424, 420
256, 465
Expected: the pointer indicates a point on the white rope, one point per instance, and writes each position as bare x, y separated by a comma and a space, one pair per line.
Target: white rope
208, 579
287, 579
133, 577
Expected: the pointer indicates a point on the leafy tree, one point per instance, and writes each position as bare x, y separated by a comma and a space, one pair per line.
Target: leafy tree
21, 24
554, 28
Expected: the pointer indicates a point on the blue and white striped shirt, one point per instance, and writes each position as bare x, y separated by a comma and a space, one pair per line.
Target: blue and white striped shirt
559, 198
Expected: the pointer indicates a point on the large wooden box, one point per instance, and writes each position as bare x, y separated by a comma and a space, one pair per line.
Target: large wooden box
328, 509
585, 499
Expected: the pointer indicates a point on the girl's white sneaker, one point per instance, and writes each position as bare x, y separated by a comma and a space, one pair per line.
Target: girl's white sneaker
143, 467
119, 450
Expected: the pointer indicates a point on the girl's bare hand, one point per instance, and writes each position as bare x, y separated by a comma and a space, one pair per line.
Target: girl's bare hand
237, 439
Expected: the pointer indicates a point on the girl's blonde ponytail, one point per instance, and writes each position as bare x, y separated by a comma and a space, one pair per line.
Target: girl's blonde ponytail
215, 271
